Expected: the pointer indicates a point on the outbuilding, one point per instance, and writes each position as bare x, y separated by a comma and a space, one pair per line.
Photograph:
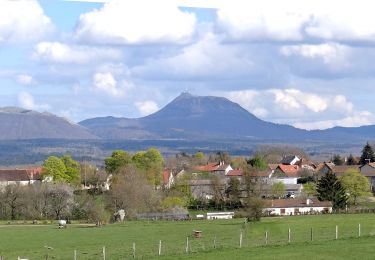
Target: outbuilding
286, 207
220, 215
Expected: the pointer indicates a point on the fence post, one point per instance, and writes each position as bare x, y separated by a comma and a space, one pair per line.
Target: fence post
241, 239
337, 231
215, 242
75, 254
159, 247
133, 250
311, 234
359, 230
103, 252
187, 245
289, 235
266, 237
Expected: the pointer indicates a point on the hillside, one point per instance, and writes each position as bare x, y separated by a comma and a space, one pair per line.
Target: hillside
21, 124
197, 117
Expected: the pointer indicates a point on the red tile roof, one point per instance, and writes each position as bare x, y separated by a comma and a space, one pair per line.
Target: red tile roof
206, 168
289, 170
166, 175
20, 174
236, 172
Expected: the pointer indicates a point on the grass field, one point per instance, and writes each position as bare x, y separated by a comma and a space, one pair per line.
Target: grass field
31, 241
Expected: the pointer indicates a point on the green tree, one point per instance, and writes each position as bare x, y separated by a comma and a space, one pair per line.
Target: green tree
258, 163
151, 162
278, 189
199, 156
54, 167
337, 160
309, 189
116, 161
351, 160
233, 190
254, 208
72, 169
330, 188
367, 154
355, 184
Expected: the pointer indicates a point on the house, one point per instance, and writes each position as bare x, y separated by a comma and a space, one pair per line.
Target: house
287, 174
325, 168
290, 160
368, 170
220, 169
220, 215
170, 176
24, 176
286, 207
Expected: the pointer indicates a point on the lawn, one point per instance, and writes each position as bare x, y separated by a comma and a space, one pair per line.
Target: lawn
32, 241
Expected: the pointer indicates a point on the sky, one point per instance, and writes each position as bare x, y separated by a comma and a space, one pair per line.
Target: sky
304, 63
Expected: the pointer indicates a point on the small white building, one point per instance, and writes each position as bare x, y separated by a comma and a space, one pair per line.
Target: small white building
17, 176
287, 207
220, 215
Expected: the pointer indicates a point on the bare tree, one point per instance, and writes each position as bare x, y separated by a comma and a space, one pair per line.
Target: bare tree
60, 199
12, 199
131, 192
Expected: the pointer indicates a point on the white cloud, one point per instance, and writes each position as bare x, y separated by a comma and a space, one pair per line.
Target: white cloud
22, 20
301, 109
63, 53
25, 79
26, 100
293, 20
134, 22
357, 119
107, 83
147, 107
328, 52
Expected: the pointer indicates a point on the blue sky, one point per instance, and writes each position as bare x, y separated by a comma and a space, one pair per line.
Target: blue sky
306, 64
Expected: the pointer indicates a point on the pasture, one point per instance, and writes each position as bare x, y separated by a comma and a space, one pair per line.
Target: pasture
220, 240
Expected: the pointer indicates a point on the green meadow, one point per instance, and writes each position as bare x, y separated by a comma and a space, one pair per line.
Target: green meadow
311, 237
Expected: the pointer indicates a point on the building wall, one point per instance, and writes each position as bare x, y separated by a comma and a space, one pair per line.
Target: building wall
297, 210
286, 180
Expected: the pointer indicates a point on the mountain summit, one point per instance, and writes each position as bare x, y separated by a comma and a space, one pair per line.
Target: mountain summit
188, 116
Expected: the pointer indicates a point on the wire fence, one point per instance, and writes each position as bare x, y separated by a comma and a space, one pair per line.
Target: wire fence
246, 237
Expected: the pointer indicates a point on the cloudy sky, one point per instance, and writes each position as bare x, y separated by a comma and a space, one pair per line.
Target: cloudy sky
305, 63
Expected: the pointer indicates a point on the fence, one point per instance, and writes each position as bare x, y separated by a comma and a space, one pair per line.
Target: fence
245, 238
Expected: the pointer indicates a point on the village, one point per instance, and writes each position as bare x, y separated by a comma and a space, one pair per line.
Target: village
144, 185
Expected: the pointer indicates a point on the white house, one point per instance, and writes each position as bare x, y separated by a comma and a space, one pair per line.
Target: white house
20, 176
220, 215
286, 207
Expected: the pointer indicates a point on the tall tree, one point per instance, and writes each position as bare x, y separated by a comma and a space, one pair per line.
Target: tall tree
337, 160
351, 160
54, 167
309, 189
330, 188
355, 184
258, 162
367, 154
233, 191
278, 189
72, 169
116, 161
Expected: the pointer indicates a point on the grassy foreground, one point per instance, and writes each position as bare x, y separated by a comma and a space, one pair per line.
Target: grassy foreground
220, 239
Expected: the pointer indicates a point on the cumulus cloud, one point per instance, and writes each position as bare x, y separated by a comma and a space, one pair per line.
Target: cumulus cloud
134, 22
328, 52
26, 100
22, 20
147, 107
57, 52
107, 83
292, 20
301, 109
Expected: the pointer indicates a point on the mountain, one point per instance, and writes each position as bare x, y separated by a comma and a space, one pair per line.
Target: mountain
17, 124
195, 117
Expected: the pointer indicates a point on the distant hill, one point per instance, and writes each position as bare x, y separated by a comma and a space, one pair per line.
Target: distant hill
20, 124
196, 117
